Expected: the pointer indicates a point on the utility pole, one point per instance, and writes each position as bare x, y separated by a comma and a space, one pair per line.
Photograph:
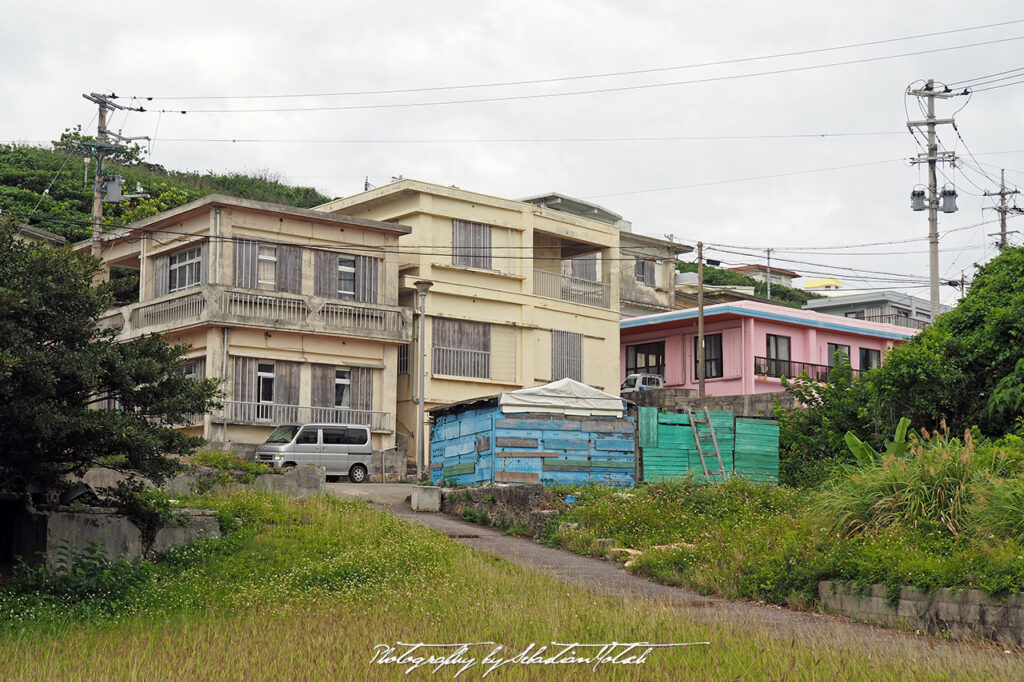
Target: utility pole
769, 278
700, 319
1003, 209
100, 149
932, 157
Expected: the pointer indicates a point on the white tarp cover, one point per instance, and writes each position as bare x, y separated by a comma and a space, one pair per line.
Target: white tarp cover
564, 396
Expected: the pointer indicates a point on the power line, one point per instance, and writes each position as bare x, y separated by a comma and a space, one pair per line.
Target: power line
612, 74
970, 81
624, 88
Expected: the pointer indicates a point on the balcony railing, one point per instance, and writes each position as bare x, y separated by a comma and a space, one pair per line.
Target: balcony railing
184, 307
791, 369
272, 414
571, 289
228, 306
263, 307
898, 320
461, 362
343, 316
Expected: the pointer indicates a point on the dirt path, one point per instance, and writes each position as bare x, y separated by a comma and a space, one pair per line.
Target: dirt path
610, 578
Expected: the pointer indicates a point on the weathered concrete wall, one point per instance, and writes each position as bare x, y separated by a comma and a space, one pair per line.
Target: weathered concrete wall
503, 506
53, 532
962, 614
294, 482
389, 466
679, 399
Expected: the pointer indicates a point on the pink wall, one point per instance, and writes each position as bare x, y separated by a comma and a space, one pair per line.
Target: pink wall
745, 337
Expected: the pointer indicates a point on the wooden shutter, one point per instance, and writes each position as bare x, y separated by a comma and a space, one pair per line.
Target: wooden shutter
200, 368
245, 263
649, 275
161, 275
289, 269
204, 262
566, 356
323, 385
362, 388
286, 390
585, 267
326, 275
367, 277
244, 384
471, 244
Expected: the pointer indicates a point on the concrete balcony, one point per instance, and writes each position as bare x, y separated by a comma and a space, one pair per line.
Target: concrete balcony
232, 306
572, 289
273, 414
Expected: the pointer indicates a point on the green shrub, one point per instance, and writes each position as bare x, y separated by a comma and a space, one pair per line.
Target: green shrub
79, 574
230, 462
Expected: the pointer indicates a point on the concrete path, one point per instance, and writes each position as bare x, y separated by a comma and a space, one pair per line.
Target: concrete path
607, 577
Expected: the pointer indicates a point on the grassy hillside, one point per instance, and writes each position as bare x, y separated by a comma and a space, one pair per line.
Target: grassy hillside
50, 188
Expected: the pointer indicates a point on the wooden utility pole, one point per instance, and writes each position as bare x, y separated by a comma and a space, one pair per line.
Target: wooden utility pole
701, 371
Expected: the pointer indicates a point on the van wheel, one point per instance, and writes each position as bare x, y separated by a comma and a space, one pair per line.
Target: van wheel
357, 474
288, 465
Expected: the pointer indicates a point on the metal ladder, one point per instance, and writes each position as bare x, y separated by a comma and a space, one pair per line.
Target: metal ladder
700, 450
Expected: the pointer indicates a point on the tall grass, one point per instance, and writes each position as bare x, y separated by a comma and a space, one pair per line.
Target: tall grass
306, 590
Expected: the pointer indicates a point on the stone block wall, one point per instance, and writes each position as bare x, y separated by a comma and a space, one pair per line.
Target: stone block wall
504, 506
962, 614
679, 399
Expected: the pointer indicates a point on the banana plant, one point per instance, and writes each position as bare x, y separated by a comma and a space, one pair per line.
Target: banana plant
865, 454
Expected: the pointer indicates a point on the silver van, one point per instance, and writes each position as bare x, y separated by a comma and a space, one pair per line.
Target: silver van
342, 449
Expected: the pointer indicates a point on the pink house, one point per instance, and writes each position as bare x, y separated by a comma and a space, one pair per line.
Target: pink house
750, 345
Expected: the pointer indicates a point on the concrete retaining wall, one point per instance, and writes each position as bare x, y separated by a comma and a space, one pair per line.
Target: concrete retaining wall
961, 614
293, 482
504, 506
389, 466
49, 534
679, 399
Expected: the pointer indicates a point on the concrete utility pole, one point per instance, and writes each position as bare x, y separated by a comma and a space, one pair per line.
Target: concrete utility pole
932, 157
700, 319
100, 149
1002, 208
769, 278
422, 287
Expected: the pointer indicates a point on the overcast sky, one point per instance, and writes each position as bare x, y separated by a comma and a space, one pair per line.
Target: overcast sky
705, 189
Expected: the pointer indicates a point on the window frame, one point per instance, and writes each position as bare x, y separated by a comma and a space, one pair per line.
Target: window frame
348, 295
343, 381
265, 408
185, 265
831, 349
717, 362
871, 353
634, 350
266, 253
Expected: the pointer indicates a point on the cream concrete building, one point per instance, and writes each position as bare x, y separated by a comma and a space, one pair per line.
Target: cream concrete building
523, 294
295, 310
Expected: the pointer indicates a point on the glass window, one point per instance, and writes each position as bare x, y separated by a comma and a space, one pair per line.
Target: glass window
869, 359
283, 434
308, 436
354, 436
342, 387
334, 436
712, 357
646, 358
832, 348
266, 267
346, 277
185, 269
265, 389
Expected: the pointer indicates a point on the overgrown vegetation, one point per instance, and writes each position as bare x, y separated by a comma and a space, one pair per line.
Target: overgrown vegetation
309, 588
794, 298
57, 365
65, 207
966, 369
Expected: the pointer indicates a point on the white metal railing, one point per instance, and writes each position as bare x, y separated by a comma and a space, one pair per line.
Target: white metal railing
571, 289
460, 362
264, 307
246, 412
174, 310
343, 316
111, 320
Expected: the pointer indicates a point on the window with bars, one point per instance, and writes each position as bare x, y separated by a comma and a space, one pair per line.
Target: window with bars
566, 355
185, 270
403, 359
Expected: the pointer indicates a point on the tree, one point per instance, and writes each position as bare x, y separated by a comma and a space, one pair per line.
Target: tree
56, 365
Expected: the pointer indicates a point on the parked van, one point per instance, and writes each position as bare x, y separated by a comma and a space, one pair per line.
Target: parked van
641, 382
341, 449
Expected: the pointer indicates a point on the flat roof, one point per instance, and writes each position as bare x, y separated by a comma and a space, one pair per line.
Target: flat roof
793, 316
